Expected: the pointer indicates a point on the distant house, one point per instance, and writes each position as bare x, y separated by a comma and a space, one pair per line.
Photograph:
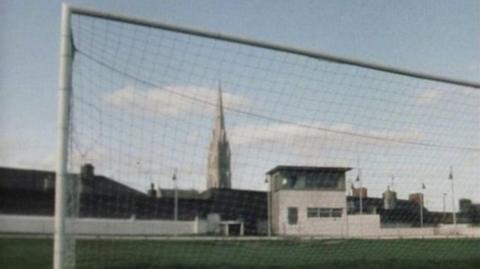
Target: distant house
31, 192
469, 212
26, 192
404, 213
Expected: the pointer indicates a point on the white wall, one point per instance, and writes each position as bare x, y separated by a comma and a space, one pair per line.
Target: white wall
21, 224
359, 226
303, 199
459, 229
85, 226
353, 226
362, 225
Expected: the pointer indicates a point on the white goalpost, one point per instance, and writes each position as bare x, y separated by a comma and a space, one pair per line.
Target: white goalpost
263, 142
65, 88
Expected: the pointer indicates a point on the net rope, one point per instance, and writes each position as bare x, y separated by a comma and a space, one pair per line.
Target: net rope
145, 113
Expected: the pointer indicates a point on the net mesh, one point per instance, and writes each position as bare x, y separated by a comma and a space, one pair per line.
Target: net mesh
353, 144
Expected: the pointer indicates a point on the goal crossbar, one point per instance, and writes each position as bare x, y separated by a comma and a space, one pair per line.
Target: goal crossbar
267, 45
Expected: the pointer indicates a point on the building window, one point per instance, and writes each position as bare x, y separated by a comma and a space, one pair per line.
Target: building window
292, 215
292, 182
316, 212
324, 212
336, 212
327, 181
309, 181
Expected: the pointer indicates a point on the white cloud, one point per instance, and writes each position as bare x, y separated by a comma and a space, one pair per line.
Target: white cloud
25, 152
427, 97
287, 133
172, 100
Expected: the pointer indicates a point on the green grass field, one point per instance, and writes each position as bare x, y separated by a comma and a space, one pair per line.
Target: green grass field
328, 254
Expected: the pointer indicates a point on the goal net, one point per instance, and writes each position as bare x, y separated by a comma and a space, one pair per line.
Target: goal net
188, 149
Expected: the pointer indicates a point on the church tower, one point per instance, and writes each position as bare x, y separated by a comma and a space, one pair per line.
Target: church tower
218, 172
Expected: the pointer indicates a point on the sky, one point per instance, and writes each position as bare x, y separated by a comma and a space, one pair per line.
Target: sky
437, 37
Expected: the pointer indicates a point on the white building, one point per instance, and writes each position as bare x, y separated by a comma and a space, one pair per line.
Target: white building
312, 201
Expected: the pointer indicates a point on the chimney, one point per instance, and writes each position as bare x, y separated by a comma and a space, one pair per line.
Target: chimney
389, 199
87, 171
360, 192
152, 192
416, 198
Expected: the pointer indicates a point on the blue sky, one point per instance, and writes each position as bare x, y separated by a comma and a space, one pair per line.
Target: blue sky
438, 37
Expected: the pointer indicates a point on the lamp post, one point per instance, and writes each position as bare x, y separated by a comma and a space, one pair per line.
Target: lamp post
175, 196
454, 215
349, 192
392, 183
359, 180
421, 205
269, 194
444, 203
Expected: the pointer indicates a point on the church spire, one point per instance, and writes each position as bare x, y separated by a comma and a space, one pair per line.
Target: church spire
218, 172
219, 118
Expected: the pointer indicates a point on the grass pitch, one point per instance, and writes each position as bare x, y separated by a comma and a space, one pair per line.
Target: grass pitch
329, 254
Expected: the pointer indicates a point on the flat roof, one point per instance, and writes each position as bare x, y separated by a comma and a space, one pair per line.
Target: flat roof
308, 169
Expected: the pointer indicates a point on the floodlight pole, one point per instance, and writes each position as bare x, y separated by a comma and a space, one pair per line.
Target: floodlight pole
444, 205
421, 210
63, 120
361, 191
454, 215
175, 199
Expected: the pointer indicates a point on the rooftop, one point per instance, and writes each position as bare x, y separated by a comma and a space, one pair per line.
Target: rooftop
308, 169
